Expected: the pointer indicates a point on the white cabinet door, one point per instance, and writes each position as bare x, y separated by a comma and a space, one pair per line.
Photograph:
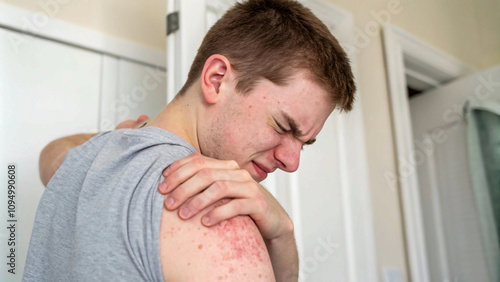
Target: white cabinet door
451, 220
47, 90
130, 89
141, 90
328, 197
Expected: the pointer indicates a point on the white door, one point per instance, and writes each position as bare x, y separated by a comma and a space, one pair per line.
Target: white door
130, 89
327, 197
451, 221
47, 90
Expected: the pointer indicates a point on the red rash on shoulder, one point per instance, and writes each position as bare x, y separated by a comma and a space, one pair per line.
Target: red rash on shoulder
238, 239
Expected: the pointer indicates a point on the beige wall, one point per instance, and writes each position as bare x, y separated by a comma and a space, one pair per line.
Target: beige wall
466, 29
135, 20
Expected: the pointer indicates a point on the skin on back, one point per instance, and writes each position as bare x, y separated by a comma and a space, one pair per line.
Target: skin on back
231, 250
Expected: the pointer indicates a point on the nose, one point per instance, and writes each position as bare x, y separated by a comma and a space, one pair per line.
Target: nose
288, 154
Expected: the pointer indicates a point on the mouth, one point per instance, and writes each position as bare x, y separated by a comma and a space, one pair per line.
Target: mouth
261, 172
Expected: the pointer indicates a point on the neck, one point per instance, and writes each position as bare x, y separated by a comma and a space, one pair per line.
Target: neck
180, 118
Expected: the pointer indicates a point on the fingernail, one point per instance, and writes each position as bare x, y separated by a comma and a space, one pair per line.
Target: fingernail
185, 212
170, 202
206, 220
163, 187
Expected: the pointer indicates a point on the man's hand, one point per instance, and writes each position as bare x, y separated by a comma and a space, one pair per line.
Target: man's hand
132, 123
196, 181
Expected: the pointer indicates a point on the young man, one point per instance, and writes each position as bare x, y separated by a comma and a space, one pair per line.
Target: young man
265, 79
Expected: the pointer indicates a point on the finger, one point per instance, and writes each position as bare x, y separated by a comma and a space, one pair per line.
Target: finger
163, 187
142, 118
198, 161
217, 191
201, 180
229, 210
182, 170
177, 164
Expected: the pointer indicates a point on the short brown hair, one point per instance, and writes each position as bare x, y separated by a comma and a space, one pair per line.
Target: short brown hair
272, 39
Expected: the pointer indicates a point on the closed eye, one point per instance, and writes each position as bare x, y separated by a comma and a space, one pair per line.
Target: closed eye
282, 130
310, 142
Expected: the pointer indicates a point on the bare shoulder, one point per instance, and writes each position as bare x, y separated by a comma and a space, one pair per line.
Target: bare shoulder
231, 250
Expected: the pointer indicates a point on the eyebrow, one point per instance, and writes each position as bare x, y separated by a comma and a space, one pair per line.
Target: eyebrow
295, 129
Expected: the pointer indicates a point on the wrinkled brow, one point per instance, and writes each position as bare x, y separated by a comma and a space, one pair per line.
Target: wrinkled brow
295, 128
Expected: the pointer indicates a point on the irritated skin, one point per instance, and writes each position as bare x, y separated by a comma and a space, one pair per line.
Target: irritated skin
232, 250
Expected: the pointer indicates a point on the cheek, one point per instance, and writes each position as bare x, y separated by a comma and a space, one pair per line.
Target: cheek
268, 138
256, 140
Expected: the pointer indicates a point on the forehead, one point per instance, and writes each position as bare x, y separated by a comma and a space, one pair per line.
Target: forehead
299, 89
301, 81
300, 99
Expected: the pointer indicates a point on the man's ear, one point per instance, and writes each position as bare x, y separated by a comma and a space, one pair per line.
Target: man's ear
214, 73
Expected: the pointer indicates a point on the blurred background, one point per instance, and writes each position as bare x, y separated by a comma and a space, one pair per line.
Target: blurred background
423, 68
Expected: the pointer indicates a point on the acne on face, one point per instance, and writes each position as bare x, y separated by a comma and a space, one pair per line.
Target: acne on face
243, 128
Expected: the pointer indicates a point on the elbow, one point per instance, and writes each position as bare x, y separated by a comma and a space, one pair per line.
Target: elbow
51, 158
45, 175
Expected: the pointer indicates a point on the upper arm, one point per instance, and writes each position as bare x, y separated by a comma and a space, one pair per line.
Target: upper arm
52, 156
231, 250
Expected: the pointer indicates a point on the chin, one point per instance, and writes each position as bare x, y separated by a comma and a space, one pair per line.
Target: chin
257, 179
249, 168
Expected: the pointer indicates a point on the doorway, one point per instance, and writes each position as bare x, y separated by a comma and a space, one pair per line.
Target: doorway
413, 64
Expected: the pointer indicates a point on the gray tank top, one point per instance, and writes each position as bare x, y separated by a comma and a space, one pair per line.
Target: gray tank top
99, 217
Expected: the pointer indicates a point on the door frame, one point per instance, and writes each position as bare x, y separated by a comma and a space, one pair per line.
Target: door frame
410, 60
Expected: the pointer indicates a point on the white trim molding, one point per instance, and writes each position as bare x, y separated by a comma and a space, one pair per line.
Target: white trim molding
412, 62
356, 198
42, 25
425, 66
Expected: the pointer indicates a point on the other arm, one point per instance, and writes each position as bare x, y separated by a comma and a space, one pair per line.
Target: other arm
53, 154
